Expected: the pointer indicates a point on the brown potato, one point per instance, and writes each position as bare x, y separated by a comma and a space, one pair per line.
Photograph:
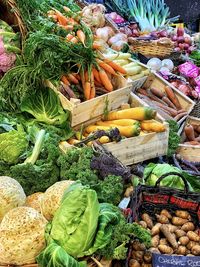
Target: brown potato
179, 233
183, 214
172, 228
137, 246
155, 241
166, 213
181, 250
147, 256
188, 226
196, 250
193, 236
148, 220
154, 250
165, 249
138, 255
191, 244
184, 240
163, 241
133, 263
171, 238
178, 221
146, 265
156, 229
162, 219
143, 224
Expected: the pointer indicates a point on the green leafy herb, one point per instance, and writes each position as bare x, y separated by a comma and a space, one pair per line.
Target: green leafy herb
174, 138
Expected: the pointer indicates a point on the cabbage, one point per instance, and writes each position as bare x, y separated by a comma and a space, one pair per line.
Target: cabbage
11, 195
21, 236
75, 222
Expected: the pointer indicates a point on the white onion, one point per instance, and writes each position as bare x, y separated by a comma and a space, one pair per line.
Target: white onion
168, 63
154, 63
165, 71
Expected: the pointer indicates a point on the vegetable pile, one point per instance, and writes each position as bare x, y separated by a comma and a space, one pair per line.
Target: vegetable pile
192, 134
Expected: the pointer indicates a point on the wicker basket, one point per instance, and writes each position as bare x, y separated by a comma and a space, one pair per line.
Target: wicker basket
157, 48
10, 13
196, 110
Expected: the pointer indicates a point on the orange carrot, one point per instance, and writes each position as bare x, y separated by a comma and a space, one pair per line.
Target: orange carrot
74, 40
171, 95
69, 36
97, 83
61, 18
86, 76
96, 75
65, 80
93, 90
115, 66
87, 90
68, 27
105, 80
67, 9
96, 46
54, 17
77, 76
81, 35
106, 67
72, 79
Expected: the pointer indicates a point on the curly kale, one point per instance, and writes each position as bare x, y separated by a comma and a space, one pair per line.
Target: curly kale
174, 138
76, 165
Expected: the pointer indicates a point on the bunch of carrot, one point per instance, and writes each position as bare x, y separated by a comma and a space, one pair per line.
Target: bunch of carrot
192, 134
166, 101
95, 76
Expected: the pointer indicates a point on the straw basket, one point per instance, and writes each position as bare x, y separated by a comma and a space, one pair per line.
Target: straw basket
157, 48
10, 13
196, 110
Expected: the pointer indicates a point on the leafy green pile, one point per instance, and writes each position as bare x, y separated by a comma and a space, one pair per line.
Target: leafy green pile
195, 56
174, 138
76, 165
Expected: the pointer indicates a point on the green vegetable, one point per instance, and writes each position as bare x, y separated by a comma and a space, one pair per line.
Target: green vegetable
195, 56
45, 106
174, 138
54, 256
77, 214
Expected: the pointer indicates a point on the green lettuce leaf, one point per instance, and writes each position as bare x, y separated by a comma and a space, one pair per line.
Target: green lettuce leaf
75, 222
45, 106
55, 256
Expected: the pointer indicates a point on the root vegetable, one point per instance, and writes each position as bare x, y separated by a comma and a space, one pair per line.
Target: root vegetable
163, 241
189, 226
166, 213
129, 191
169, 236
138, 255
184, 240
134, 263
196, 250
147, 256
156, 229
193, 236
162, 219
154, 250
143, 224
146, 265
137, 246
179, 233
183, 214
172, 228
155, 241
165, 249
178, 221
181, 250
148, 220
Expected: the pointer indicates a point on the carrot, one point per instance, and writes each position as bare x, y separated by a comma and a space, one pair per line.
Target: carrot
87, 90
72, 79
106, 67
152, 126
172, 97
196, 127
93, 91
74, 40
142, 91
67, 9
54, 17
65, 80
69, 36
122, 122
105, 80
115, 66
86, 76
179, 116
96, 75
68, 27
97, 83
168, 102
96, 46
81, 35
193, 143
78, 77
172, 112
62, 20
189, 132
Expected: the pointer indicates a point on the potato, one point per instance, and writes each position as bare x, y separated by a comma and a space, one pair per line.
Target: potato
165, 249
184, 240
190, 255
136, 245
156, 229
178, 221
155, 241
148, 220
188, 226
162, 219
193, 236
138, 255
196, 250
171, 238
183, 214
181, 250
146, 265
191, 244
166, 213
172, 228
163, 241
129, 191
133, 263
143, 224
154, 250
179, 233
147, 257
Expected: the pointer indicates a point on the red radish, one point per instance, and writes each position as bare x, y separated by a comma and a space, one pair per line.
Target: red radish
180, 39
180, 31
181, 46
186, 46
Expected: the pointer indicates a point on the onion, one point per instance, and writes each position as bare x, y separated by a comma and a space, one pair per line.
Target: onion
154, 34
180, 39
186, 46
177, 49
135, 33
174, 38
104, 33
117, 37
117, 46
168, 63
163, 33
187, 40
181, 46
164, 71
180, 31
154, 63
113, 15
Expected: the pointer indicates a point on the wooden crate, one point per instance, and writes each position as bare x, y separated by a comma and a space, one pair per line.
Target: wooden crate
93, 108
139, 82
156, 81
139, 148
189, 152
